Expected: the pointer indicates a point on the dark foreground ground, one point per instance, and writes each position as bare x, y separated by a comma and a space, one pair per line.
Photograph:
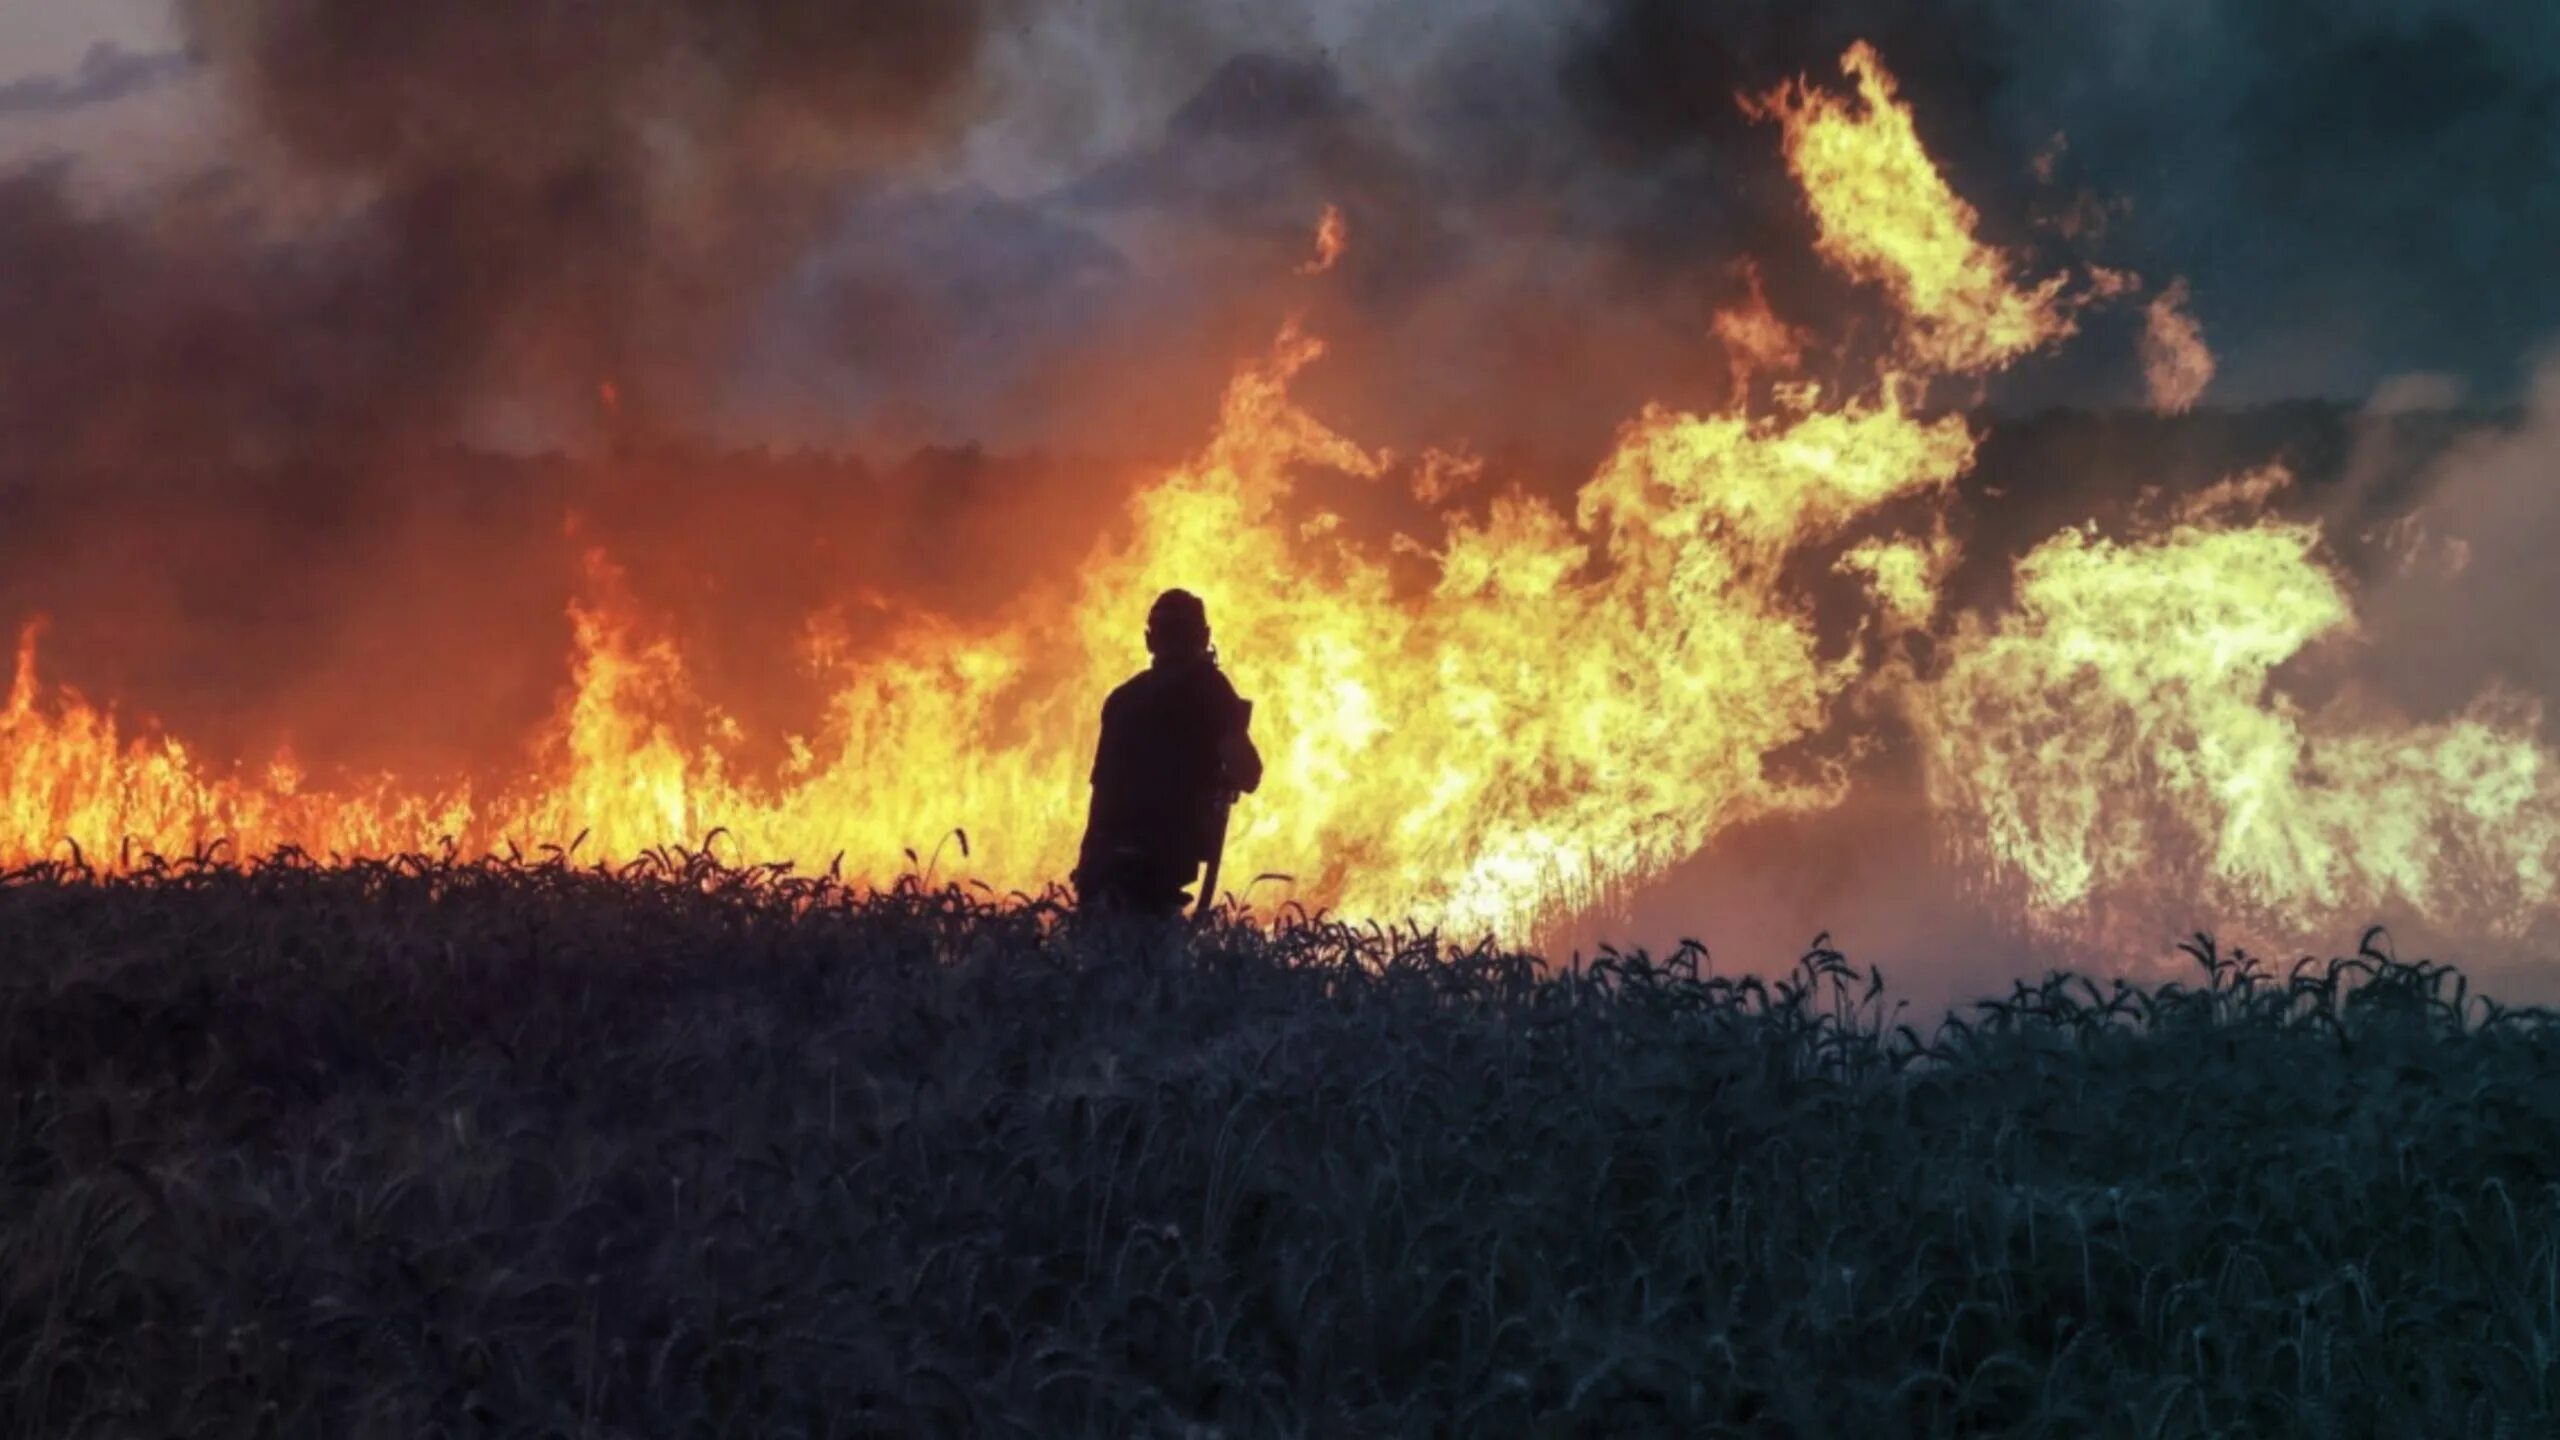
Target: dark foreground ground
419, 1150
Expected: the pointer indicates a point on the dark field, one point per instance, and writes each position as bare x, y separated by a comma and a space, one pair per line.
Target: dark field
408, 1150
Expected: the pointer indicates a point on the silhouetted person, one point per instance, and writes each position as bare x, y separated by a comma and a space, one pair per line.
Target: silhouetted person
1174, 755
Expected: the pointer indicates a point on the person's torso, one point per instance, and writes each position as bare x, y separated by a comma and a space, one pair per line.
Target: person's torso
1158, 775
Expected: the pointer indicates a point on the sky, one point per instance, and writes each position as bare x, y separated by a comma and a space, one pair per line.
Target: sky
40, 36
2354, 190
47, 40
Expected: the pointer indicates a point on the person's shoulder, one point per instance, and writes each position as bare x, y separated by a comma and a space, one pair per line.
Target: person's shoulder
1129, 690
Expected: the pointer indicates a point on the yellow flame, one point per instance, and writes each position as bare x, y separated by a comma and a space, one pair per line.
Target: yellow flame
2117, 748
1333, 240
1904, 575
1580, 700
1883, 212
1576, 697
68, 774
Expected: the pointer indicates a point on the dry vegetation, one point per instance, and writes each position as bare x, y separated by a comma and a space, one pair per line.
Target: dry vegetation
419, 1148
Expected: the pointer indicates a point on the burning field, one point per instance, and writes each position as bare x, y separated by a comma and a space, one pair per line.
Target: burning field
1493, 705
564, 560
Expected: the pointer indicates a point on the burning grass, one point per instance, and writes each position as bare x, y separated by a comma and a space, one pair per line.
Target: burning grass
412, 1148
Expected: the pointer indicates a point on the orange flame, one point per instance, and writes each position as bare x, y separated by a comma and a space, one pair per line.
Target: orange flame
1574, 700
2176, 366
1755, 340
1333, 240
1578, 702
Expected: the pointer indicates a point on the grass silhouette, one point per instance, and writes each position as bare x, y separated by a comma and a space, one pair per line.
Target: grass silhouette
418, 1147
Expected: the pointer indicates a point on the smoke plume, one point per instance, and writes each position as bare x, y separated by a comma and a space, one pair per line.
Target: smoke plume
229, 408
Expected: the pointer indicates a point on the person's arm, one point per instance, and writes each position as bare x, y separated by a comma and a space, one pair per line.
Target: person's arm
1238, 760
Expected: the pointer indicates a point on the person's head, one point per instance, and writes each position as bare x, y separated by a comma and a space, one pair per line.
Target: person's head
1177, 626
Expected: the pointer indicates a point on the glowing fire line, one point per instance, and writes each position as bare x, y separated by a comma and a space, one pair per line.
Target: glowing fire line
1582, 697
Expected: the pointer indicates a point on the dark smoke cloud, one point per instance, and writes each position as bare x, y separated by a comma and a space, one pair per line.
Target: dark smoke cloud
926, 316
1654, 87
2355, 189
681, 196
1262, 146
229, 408
2456, 537
107, 73
566, 193
469, 206
184, 332
2352, 191
535, 91
691, 199
467, 202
